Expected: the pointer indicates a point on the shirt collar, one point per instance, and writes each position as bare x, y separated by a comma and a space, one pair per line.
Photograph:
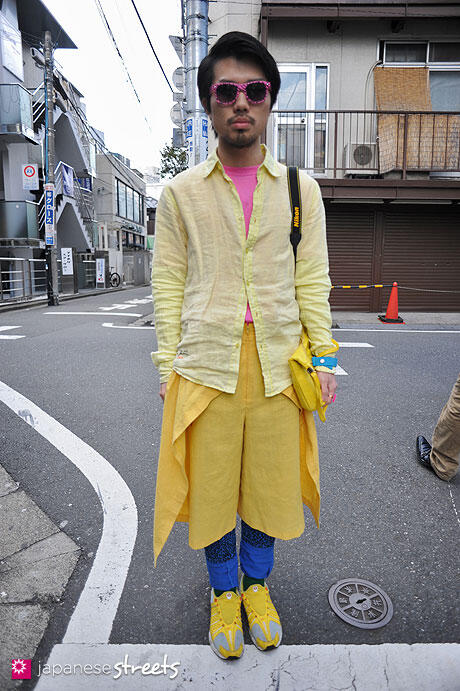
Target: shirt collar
272, 166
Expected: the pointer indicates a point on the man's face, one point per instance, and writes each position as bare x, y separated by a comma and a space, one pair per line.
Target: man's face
241, 124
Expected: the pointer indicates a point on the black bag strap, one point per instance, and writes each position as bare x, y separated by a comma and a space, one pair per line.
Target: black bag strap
296, 206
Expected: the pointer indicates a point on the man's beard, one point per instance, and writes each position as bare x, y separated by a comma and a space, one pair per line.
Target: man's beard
241, 141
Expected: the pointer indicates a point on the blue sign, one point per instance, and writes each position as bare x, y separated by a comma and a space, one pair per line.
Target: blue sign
204, 128
189, 128
49, 207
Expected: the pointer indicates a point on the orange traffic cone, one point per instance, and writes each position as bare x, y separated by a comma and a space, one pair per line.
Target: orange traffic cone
391, 316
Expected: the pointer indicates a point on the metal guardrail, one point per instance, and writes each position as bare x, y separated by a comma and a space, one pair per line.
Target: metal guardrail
22, 279
25, 279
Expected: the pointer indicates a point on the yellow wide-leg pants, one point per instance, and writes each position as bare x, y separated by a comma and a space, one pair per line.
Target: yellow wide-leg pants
223, 454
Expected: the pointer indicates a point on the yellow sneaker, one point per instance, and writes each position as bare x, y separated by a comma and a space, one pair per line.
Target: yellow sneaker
264, 623
226, 629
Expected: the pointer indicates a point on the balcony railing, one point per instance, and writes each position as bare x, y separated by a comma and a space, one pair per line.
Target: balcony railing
16, 119
346, 143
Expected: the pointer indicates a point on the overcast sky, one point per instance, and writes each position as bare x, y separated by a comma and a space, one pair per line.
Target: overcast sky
97, 71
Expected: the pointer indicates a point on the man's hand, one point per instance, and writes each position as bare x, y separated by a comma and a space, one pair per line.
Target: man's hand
163, 391
328, 386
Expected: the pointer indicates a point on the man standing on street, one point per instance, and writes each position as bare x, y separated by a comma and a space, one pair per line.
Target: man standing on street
229, 305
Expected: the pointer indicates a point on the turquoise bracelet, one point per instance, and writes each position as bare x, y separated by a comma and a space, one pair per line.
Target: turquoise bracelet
330, 362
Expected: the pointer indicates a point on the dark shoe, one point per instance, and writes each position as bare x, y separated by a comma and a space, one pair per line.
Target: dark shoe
424, 452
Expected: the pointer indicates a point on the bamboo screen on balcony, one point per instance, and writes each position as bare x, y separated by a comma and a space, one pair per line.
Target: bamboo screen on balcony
432, 141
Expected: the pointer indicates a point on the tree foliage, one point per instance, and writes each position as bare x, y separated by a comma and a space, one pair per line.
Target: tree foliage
173, 160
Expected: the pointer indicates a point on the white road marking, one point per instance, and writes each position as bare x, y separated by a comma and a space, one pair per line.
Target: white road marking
92, 618
349, 344
340, 371
395, 666
116, 306
405, 331
114, 314
116, 326
139, 301
9, 337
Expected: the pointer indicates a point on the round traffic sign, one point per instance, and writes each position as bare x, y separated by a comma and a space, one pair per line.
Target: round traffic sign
29, 171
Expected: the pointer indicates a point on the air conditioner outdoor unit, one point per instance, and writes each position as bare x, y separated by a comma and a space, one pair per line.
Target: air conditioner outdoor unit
360, 158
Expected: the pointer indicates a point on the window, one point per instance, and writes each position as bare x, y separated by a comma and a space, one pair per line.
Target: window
445, 90
405, 52
121, 199
300, 134
130, 204
136, 207
444, 52
442, 59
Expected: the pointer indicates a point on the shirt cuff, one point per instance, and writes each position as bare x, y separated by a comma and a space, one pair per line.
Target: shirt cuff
328, 370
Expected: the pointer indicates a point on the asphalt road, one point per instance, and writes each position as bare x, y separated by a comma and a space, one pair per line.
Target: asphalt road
384, 518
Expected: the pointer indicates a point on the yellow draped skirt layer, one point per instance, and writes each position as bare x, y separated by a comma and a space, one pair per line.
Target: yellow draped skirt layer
223, 454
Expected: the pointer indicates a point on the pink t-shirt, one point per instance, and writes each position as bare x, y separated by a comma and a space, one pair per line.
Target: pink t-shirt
245, 181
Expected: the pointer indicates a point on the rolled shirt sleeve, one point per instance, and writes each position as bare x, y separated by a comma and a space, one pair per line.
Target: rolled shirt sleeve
312, 282
169, 271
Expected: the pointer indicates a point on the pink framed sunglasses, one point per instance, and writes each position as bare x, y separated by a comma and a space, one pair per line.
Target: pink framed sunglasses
226, 93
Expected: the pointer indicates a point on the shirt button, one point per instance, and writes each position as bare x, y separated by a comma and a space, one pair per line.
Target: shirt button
322, 360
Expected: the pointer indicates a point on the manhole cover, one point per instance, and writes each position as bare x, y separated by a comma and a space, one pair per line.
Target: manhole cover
360, 603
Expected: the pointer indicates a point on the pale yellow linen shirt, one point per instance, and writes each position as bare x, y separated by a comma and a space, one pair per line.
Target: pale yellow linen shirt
205, 270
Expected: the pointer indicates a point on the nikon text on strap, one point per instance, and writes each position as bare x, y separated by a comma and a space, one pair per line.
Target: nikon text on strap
296, 206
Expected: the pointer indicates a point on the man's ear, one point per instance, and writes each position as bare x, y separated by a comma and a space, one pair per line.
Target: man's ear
205, 106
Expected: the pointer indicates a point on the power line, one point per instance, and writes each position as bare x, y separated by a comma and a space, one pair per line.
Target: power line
109, 31
151, 46
113, 160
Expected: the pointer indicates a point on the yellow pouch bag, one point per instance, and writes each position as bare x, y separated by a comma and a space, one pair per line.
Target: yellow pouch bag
305, 379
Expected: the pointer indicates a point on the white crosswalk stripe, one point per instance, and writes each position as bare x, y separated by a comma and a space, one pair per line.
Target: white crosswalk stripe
12, 337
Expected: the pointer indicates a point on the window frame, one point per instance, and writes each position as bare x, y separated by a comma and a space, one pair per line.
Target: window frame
431, 65
140, 203
309, 69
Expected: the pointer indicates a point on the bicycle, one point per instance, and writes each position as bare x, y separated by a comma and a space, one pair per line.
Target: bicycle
115, 278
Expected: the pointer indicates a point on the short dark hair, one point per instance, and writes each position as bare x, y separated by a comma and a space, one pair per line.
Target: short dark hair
240, 46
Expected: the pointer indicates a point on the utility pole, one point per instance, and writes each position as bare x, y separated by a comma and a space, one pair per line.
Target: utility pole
196, 48
50, 200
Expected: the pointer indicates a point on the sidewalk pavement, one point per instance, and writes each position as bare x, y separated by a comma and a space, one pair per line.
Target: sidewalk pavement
341, 319
36, 561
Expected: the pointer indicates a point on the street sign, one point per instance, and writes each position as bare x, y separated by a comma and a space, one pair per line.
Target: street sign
179, 78
67, 261
178, 137
50, 234
177, 45
189, 142
67, 180
176, 114
30, 176
100, 271
204, 139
